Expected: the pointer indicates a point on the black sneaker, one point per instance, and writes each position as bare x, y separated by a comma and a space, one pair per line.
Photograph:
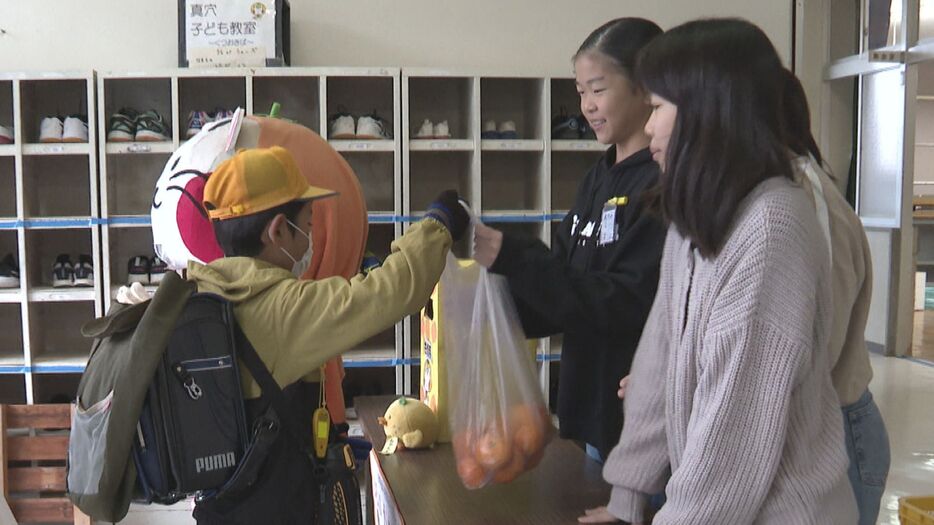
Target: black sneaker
122, 126
157, 270
150, 127
138, 269
586, 131
84, 271
9, 272
564, 127
63, 273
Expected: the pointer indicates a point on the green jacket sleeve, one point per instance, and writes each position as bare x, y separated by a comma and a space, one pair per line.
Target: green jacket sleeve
321, 319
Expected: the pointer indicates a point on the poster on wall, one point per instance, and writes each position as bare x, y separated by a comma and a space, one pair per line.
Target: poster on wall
233, 33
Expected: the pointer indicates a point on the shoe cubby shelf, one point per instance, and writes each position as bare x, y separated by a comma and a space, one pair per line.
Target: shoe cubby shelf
49, 197
488, 136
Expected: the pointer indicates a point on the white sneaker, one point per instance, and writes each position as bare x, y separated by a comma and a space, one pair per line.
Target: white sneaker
507, 130
6, 135
489, 130
373, 128
50, 130
75, 130
342, 127
442, 131
426, 131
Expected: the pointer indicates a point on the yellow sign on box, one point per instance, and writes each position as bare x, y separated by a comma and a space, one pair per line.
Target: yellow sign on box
433, 380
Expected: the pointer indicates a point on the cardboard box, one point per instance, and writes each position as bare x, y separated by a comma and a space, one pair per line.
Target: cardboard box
233, 33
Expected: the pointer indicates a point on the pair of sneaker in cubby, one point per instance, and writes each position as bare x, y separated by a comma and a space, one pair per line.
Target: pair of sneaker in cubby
9, 272
145, 270
66, 275
344, 126
129, 125
505, 131
198, 119
73, 128
430, 130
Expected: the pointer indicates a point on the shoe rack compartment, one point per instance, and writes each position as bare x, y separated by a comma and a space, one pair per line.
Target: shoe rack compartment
361, 96
13, 389
382, 345
368, 382
9, 245
431, 172
379, 239
511, 181
45, 98
55, 333
568, 169
442, 99
208, 94
375, 172
6, 113
513, 99
141, 94
55, 387
564, 96
124, 243
7, 188
131, 180
298, 97
42, 248
11, 335
56, 186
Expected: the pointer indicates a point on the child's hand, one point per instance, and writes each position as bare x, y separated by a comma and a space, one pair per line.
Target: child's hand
623, 383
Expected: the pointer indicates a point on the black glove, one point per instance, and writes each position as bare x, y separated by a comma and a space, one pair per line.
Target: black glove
447, 210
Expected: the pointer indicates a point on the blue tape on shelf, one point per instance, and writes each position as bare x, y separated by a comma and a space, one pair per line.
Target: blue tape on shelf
128, 220
78, 222
378, 363
525, 218
548, 358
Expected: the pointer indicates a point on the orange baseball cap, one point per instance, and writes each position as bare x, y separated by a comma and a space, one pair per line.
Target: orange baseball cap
255, 180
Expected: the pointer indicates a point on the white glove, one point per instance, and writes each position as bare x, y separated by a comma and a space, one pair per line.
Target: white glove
134, 294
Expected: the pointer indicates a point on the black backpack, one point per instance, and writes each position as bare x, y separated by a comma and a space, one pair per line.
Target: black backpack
244, 462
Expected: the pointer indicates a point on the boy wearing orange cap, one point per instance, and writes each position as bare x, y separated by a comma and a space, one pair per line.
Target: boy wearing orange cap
260, 207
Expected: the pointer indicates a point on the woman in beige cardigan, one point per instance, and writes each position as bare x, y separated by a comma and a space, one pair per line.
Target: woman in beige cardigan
747, 419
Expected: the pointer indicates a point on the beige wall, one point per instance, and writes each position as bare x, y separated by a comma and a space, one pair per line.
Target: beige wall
512, 36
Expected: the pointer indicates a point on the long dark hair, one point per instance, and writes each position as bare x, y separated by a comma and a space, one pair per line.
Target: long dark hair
727, 81
620, 41
798, 135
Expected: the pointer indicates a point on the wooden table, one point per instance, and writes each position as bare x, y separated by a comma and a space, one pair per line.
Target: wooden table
427, 490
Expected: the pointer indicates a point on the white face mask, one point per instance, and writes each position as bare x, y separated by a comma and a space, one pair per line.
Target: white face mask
300, 266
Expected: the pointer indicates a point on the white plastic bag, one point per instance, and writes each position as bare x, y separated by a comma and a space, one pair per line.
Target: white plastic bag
499, 421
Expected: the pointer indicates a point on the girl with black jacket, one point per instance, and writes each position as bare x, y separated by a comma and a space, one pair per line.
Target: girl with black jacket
597, 282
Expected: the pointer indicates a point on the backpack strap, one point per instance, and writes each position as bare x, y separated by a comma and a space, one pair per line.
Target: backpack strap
270, 390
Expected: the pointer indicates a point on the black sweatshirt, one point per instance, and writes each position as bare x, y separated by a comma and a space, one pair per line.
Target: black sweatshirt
597, 292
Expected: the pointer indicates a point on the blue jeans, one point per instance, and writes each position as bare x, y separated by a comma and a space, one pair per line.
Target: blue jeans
594, 454
867, 445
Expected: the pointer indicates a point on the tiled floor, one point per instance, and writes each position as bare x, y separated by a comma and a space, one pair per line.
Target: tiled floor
904, 391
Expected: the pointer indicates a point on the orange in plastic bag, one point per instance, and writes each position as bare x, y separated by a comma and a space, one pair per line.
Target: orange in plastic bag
499, 422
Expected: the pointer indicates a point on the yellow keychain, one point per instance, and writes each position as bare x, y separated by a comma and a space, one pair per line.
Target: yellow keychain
321, 424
